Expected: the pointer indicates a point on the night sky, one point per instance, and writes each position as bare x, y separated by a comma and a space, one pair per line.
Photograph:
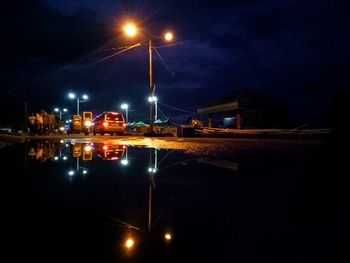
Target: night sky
294, 51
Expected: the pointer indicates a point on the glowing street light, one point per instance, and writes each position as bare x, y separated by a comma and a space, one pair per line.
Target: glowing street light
168, 36
73, 96
129, 243
60, 111
131, 31
154, 99
168, 236
125, 107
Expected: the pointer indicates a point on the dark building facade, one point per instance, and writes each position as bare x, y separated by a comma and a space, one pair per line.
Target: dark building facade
244, 110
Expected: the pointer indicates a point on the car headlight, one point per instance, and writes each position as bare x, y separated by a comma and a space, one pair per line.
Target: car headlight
88, 123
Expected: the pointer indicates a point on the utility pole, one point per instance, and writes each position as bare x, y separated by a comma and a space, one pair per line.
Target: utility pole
150, 84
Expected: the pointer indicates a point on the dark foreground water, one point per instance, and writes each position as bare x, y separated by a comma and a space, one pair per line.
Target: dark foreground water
79, 202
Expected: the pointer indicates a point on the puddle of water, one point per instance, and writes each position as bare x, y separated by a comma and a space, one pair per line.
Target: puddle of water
113, 201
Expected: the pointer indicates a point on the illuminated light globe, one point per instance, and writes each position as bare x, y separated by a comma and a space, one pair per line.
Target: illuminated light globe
129, 243
130, 30
168, 36
124, 162
168, 236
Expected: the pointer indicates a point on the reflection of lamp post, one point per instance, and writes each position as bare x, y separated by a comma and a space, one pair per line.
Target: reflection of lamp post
73, 96
152, 170
125, 107
131, 31
125, 161
60, 111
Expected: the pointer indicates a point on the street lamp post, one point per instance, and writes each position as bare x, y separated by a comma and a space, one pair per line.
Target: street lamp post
60, 111
73, 96
125, 107
131, 30
153, 100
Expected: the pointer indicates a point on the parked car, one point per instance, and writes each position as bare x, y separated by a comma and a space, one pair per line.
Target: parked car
109, 122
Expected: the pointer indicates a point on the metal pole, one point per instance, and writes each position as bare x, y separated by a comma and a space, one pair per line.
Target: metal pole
60, 115
78, 105
78, 164
126, 112
150, 84
25, 117
150, 206
156, 114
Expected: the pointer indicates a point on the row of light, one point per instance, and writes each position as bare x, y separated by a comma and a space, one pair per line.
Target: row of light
130, 29
72, 95
130, 242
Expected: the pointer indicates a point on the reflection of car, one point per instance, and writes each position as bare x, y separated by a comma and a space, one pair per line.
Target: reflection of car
110, 151
109, 122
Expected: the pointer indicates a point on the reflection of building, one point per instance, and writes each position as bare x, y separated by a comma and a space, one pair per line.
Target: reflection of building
43, 149
244, 109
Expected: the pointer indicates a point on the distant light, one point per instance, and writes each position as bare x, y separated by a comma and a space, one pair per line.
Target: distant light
61, 128
129, 243
124, 162
88, 123
71, 173
57, 109
168, 236
64, 157
65, 110
150, 170
124, 106
152, 99
85, 97
169, 36
88, 148
61, 141
71, 95
85, 172
130, 30
56, 158
69, 120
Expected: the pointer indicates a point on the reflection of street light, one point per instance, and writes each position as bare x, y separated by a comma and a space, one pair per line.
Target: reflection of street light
125, 107
60, 111
129, 243
131, 31
73, 96
168, 236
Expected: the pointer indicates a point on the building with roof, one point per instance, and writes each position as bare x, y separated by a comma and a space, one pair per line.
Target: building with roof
243, 110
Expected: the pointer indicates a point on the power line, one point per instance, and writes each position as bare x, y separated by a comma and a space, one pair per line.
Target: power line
168, 119
103, 59
164, 64
178, 109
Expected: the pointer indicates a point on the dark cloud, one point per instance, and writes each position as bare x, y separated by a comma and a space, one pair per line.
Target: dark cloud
286, 49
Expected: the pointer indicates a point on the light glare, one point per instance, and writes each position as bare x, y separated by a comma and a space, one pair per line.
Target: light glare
129, 243
130, 30
168, 236
169, 36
